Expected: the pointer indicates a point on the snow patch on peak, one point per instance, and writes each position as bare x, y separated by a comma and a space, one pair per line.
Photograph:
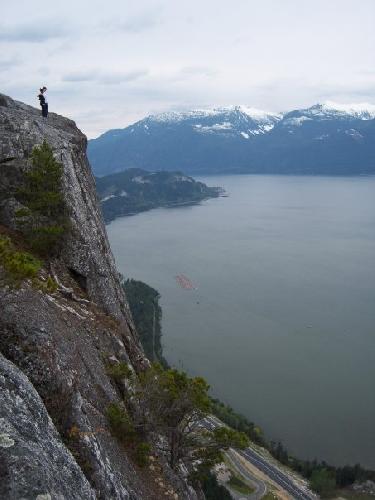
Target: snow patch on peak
258, 114
296, 121
175, 116
255, 114
139, 179
365, 111
216, 127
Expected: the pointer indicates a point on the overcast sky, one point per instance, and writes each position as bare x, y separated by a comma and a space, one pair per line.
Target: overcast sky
109, 63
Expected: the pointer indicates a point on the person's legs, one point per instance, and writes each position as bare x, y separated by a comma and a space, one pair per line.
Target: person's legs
45, 110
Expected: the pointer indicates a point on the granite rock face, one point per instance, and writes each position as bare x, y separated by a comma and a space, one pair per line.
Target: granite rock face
62, 342
87, 251
33, 459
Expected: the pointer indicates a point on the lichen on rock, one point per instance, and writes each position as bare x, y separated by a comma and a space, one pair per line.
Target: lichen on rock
5, 440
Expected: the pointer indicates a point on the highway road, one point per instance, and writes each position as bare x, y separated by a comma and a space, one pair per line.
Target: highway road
260, 486
270, 470
276, 474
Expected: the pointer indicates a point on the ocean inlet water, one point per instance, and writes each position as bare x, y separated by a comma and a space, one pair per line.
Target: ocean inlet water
280, 317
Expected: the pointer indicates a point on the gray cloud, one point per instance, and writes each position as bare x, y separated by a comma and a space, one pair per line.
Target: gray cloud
191, 71
81, 76
36, 32
133, 23
121, 77
9, 63
103, 77
142, 22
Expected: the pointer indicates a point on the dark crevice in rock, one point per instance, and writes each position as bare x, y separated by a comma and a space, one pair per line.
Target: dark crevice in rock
7, 160
79, 278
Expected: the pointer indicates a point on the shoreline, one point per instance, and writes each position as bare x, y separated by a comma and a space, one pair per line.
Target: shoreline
221, 193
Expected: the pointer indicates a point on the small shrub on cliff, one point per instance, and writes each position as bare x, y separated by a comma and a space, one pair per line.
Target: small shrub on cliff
142, 454
48, 286
18, 266
43, 219
121, 425
118, 372
124, 430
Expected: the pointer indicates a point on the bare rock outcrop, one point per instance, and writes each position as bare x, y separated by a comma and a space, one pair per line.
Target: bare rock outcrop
34, 461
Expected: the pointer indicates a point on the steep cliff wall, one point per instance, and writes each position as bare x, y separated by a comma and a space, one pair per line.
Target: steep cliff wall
62, 345
87, 249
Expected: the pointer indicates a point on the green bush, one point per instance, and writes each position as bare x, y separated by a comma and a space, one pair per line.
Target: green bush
43, 219
142, 454
22, 212
121, 425
44, 239
123, 429
18, 266
48, 286
237, 484
119, 371
323, 482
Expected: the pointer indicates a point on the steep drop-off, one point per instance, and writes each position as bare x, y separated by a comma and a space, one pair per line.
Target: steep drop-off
55, 346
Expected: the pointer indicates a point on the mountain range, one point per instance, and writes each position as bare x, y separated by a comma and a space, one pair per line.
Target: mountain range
328, 138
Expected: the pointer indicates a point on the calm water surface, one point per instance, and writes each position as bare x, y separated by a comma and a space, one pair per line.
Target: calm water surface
282, 320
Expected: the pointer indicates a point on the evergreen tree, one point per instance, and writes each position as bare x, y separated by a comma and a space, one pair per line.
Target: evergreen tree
43, 219
175, 406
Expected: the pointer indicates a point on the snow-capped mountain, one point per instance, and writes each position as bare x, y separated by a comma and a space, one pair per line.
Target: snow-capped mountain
325, 138
230, 121
331, 111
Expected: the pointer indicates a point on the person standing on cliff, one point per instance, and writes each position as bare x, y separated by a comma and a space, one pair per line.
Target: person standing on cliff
43, 101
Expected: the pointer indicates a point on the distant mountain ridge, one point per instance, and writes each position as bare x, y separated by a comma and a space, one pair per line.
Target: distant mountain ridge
328, 138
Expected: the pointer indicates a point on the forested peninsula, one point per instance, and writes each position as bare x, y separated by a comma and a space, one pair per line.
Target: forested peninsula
136, 190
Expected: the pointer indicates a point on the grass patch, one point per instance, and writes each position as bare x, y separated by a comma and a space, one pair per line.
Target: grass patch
237, 484
269, 496
18, 265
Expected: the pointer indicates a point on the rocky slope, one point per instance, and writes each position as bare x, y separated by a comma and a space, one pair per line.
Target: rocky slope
55, 346
323, 139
